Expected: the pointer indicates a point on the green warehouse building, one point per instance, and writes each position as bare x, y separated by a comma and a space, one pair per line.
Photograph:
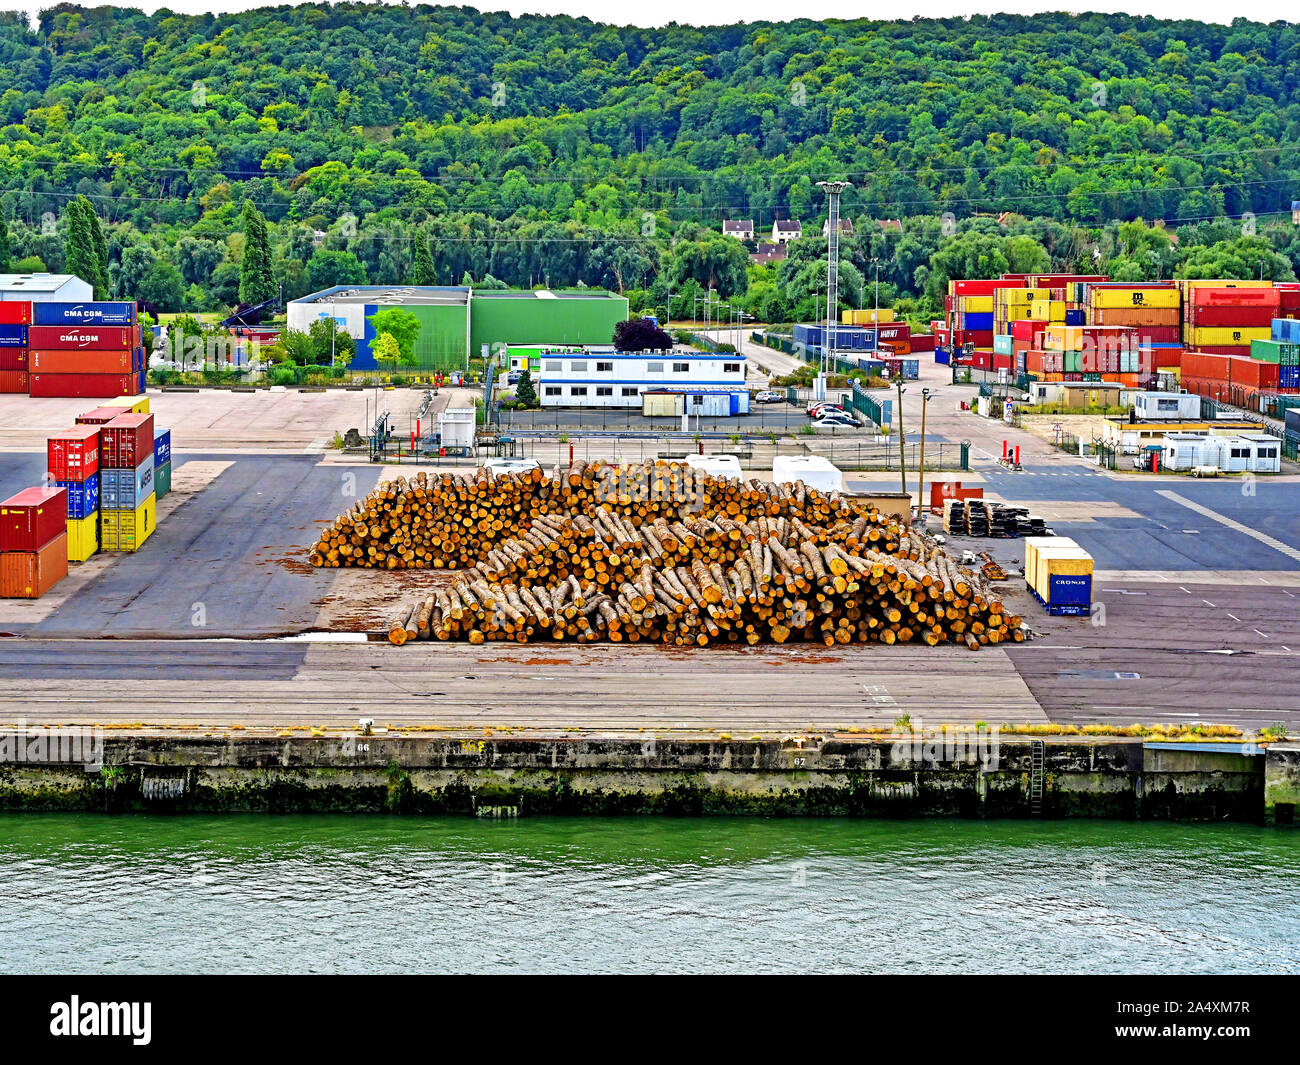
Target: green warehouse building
457, 322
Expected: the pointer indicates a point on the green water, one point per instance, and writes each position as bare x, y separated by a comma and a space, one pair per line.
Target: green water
85, 893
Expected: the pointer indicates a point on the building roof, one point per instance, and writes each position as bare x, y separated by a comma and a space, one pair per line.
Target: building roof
739, 225
788, 225
846, 226
36, 282
442, 295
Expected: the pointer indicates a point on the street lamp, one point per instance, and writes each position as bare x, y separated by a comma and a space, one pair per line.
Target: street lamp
902, 452
921, 507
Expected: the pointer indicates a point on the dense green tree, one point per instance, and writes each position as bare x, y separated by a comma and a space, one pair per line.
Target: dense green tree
525, 391
422, 269
256, 277
162, 286
80, 257
402, 326
329, 268
4, 241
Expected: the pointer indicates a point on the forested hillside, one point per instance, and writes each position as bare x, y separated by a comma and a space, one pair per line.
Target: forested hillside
557, 150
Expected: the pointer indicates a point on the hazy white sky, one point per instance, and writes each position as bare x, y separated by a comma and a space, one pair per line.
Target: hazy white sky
712, 12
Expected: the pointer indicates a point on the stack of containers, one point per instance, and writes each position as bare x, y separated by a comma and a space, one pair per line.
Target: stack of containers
1223, 317
33, 542
15, 317
1283, 350
162, 462
85, 349
1059, 574
128, 508
73, 463
1154, 309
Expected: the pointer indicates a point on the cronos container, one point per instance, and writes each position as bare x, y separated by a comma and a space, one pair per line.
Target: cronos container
30, 574
126, 441
32, 518
73, 454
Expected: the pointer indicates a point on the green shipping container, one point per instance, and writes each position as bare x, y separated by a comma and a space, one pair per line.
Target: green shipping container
1002, 344
162, 480
1074, 362
1275, 351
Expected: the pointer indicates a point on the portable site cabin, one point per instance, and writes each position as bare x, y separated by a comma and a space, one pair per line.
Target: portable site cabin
456, 427
716, 465
1250, 453
1182, 451
1174, 406
815, 471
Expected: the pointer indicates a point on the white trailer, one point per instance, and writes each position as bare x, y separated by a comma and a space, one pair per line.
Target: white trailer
456, 428
813, 470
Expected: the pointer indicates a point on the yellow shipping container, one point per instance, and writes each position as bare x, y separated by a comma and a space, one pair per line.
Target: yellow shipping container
1189, 283
1177, 371
1058, 561
977, 304
1226, 336
1118, 298
1033, 544
83, 537
1047, 311
131, 404
127, 530
1057, 337
868, 316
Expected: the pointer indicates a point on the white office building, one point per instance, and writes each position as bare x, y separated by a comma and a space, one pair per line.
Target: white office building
714, 384
45, 288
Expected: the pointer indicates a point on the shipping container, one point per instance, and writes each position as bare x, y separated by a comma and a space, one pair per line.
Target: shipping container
162, 446
1114, 297
1231, 318
32, 518
127, 530
30, 574
83, 497
162, 479
73, 454
1219, 337
13, 382
96, 337
1286, 330
15, 312
99, 416
84, 385
83, 537
125, 441
83, 314
117, 362
126, 489
13, 359
129, 404
13, 336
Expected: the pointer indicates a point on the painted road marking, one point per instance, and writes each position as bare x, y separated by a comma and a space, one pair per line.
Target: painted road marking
1245, 530
1264, 634
1207, 602
1182, 589
1234, 617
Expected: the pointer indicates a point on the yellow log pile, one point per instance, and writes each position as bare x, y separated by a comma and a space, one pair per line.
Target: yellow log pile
663, 553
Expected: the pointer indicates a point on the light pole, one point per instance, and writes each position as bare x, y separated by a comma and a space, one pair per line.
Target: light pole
902, 453
921, 508
833, 190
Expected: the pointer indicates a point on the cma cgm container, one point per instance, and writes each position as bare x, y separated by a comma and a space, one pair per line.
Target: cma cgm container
83, 497
76, 361
87, 313
126, 440
13, 336
32, 518
13, 359
84, 385
126, 489
96, 337
15, 312
73, 454
30, 574
13, 382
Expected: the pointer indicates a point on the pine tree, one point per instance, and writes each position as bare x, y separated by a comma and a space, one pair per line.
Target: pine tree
79, 253
525, 393
422, 270
100, 246
5, 258
256, 275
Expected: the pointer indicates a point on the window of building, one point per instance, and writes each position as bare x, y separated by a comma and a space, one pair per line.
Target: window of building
604, 367
697, 401
552, 390
681, 367
1268, 453
1240, 453
604, 390
578, 390
1167, 404
731, 367
654, 367
578, 367
554, 366
629, 391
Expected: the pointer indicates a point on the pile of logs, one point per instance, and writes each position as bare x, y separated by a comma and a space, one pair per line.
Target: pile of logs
659, 553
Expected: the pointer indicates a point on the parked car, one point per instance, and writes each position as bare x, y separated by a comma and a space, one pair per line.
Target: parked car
821, 405
833, 419
512, 378
769, 396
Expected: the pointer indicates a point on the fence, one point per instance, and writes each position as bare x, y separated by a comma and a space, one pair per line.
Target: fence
851, 455
879, 411
762, 418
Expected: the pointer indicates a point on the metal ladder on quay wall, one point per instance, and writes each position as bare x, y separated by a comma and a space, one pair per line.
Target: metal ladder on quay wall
1037, 768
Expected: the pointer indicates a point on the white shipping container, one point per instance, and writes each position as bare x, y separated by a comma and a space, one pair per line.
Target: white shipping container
815, 471
456, 427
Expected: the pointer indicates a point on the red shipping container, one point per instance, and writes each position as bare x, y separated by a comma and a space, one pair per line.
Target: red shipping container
99, 416
32, 518
15, 312
1216, 317
1025, 329
13, 359
84, 385
30, 574
126, 441
922, 343
1233, 297
82, 336
1159, 334
79, 362
1224, 349
73, 454
1002, 362
13, 382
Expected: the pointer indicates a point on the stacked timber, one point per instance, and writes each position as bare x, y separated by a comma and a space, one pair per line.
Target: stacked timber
659, 553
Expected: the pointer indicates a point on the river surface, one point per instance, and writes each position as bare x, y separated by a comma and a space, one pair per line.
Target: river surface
86, 893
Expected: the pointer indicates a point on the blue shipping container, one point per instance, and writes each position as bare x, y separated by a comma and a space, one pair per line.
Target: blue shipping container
1074, 317
977, 320
940, 356
1286, 330
1288, 377
1069, 590
126, 489
83, 313
13, 336
83, 496
162, 446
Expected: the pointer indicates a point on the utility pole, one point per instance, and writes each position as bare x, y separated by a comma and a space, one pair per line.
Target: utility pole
921, 508
902, 452
833, 190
